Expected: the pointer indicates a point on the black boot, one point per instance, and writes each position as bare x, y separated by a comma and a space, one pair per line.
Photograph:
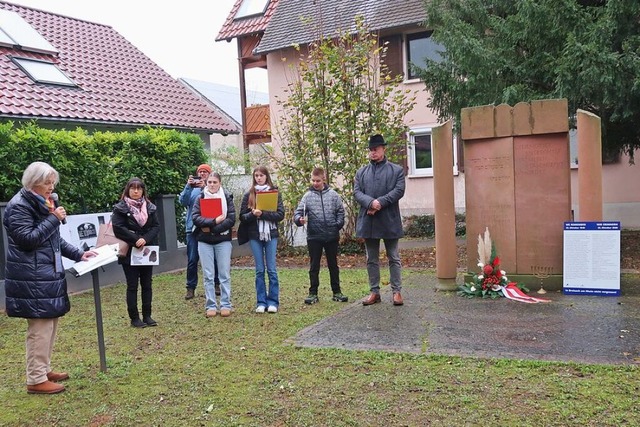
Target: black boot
149, 321
137, 323
146, 316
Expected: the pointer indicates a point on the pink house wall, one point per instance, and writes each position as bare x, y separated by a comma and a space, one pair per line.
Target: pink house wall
621, 188
620, 192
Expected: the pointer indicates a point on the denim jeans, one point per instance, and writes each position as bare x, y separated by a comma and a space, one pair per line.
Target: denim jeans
331, 253
373, 264
265, 253
192, 261
211, 256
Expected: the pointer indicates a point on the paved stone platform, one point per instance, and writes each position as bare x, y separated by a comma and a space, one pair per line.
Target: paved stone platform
583, 329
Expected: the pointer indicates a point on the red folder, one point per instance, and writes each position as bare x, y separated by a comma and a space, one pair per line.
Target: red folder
211, 208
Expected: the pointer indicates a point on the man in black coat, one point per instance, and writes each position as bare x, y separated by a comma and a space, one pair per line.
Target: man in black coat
378, 188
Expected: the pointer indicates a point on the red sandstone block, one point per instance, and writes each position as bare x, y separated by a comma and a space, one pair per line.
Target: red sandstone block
549, 116
503, 119
477, 122
522, 119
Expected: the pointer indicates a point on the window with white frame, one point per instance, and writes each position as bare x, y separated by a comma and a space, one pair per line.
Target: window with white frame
421, 153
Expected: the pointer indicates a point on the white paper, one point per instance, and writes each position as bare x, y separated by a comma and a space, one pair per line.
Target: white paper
106, 255
146, 255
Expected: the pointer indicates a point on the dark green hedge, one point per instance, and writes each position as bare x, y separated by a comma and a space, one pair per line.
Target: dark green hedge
94, 167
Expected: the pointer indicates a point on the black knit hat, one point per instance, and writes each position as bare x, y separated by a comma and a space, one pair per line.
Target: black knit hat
376, 140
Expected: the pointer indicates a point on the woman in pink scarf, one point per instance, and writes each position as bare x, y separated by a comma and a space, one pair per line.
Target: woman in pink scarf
134, 220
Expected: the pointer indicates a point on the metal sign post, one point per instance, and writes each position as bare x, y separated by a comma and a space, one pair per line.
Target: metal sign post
98, 304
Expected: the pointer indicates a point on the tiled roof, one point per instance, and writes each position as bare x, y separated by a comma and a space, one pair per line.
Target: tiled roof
302, 21
245, 26
117, 83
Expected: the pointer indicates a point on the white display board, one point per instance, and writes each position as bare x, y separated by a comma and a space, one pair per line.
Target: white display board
82, 231
591, 258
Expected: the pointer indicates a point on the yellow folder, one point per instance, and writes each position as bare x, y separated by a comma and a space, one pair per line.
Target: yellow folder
267, 200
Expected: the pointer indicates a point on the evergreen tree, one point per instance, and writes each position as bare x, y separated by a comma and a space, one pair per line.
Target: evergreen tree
505, 51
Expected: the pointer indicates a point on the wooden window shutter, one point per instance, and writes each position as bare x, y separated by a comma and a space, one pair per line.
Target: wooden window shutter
393, 56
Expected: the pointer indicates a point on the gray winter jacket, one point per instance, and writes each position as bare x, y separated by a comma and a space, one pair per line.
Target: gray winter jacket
325, 214
383, 181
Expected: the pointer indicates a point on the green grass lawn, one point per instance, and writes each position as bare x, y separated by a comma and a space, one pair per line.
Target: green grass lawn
241, 371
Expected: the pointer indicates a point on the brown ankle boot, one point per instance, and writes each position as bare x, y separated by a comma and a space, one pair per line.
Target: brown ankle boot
46, 387
57, 376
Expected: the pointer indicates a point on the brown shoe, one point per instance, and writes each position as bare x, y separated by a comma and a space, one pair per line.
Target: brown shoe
225, 312
371, 299
46, 387
397, 298
57, 376
211, 313
190, 294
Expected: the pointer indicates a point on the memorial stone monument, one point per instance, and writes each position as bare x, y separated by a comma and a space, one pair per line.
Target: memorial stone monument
517, 183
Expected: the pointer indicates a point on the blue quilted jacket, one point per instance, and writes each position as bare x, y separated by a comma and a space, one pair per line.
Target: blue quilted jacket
35, 284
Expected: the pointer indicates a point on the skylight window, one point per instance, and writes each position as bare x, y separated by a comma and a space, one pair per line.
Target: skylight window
43, 72
15, 31
252, 7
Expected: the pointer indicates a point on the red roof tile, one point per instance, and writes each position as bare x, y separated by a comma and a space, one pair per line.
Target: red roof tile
245, 26
117, 83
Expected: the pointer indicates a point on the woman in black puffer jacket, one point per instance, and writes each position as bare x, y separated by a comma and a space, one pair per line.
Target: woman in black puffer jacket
35, 284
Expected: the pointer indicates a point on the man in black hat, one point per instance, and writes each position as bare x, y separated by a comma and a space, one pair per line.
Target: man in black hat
378, 188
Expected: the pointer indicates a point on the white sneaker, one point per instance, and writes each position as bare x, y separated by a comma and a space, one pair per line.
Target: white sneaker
260, 309
272, 309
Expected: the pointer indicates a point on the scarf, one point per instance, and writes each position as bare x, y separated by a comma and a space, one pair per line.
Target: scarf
139, 209
264, 226
47, 203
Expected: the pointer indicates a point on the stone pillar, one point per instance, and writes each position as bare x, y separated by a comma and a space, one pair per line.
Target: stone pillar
445, 215
167, 216
589, 167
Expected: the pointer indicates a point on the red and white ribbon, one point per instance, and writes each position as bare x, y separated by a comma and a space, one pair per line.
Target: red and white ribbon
512, 292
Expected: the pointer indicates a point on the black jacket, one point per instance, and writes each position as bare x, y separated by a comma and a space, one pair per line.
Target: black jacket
35, 283
125, 227
206, 228
250, 221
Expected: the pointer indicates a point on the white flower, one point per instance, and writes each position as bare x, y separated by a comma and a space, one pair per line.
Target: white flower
480, 277
496, 287
503, 272
480, 265
473, 289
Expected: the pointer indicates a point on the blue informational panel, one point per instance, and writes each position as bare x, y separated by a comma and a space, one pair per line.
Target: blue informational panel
591, 258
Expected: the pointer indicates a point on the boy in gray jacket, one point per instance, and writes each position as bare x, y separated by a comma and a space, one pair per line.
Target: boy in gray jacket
322, 212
